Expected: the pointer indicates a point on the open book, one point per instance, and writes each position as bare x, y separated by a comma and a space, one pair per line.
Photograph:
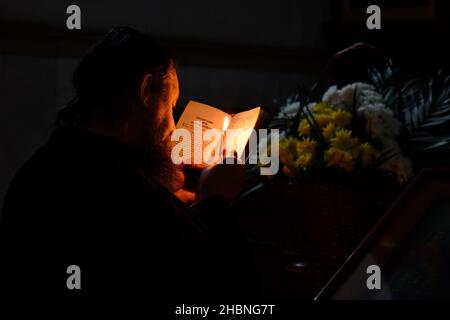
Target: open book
213, 118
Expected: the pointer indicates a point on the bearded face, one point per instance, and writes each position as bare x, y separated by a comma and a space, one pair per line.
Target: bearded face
159, 126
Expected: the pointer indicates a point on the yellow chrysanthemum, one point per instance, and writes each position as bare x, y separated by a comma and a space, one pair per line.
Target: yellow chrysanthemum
342, 119
344, 141
296, 154
323, 108
323, 119
338, 158
328, 131
303, 127
306, 145
288, 151
368, 153
303, 160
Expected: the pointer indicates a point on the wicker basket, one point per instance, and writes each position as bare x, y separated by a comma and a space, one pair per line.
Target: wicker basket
328, 218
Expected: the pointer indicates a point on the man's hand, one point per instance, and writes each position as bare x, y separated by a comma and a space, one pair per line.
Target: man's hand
226, 180
186, 196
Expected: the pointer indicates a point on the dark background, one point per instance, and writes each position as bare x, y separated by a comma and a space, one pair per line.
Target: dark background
232, 54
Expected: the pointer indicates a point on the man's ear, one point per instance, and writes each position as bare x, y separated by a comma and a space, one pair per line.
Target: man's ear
145, 89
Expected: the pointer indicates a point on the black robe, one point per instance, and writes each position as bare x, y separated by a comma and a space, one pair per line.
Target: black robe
83, 199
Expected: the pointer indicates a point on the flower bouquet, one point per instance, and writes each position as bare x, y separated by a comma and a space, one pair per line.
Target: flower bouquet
346, 153
349, 130
342, 155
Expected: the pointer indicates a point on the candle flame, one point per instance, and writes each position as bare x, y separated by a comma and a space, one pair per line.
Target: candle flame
226, 123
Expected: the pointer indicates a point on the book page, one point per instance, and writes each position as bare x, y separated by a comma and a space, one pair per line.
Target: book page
245, 121
210, 117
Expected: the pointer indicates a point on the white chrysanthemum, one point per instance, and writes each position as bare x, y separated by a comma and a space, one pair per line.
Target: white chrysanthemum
380, 121
289, 110
367, 94
368, 108
363, 86
342, 98
369, 98
332, 96
347, 94
310, 106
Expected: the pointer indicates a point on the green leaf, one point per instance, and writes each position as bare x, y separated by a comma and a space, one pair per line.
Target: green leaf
423, 106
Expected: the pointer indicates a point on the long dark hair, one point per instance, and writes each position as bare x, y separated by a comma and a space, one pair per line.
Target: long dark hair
111, 71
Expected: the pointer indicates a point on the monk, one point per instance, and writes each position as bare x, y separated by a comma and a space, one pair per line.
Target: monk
101, 194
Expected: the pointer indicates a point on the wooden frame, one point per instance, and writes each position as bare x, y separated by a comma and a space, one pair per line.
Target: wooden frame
388, 235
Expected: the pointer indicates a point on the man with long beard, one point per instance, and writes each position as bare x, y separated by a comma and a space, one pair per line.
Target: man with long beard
100, 194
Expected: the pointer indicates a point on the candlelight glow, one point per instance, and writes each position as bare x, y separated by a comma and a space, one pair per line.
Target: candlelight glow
226, 123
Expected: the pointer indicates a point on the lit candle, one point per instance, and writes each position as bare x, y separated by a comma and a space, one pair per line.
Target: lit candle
226, 123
